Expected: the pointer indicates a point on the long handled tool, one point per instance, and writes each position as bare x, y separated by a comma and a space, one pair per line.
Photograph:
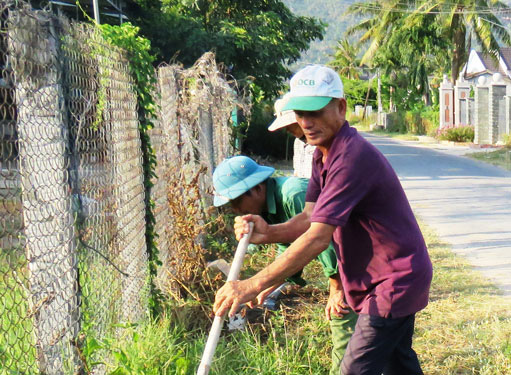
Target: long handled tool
216, 328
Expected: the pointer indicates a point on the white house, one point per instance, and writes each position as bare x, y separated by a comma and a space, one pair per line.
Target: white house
485, 65
481, 97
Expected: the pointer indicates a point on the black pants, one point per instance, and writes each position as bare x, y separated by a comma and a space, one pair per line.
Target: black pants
381, 346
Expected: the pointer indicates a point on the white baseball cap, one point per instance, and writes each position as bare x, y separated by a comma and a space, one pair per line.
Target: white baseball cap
313, 87
284, 118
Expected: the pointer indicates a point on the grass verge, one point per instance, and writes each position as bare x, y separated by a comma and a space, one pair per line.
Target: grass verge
466, 329
500, 158
396, 135
363, 125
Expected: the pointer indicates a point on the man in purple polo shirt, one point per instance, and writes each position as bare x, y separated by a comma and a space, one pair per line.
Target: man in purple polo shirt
355, 196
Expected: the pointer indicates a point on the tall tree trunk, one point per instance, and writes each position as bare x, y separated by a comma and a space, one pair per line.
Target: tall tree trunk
459, 52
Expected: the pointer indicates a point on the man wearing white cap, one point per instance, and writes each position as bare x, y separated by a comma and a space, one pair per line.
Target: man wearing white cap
355, 196
341, 326
302, 152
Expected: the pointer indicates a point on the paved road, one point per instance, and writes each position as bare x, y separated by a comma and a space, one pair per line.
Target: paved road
467, 202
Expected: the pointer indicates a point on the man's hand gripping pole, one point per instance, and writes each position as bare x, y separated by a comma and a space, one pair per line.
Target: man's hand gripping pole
216, 328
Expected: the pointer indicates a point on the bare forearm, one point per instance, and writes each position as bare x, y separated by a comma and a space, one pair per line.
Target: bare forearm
301, 252
290, 230
297, 256
335, 282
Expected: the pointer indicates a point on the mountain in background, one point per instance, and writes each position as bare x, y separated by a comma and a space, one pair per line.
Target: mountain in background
330, 12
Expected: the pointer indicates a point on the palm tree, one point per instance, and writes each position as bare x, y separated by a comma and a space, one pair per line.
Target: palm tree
401, 45
465, 19
381, 19
457, 21
346, 61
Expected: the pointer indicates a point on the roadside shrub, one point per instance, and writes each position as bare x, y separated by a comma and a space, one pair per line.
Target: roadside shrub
430, 120
507, 140
397, 122
463, 133
359, 121
413, 122
191, 235
422, 120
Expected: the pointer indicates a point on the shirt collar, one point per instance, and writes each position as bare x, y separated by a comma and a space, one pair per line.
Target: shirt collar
271, 206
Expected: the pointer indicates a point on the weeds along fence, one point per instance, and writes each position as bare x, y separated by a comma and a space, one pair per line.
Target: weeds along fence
73, 256
190, 138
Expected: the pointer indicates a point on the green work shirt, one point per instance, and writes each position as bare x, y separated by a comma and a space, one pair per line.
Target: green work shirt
285, 198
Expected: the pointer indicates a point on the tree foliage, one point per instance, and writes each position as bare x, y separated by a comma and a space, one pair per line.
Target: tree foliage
413, 52
345, 59
355, 91
252, 38
418, 37
467, 19
407, 49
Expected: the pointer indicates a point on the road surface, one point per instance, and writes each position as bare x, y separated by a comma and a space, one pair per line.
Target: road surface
467, 202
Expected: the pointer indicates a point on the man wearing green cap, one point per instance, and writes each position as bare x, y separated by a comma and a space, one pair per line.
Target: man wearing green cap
355, 197
341, 326
249, 189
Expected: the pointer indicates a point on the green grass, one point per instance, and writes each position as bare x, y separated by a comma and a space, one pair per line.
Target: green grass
363, 125
100, 301
500, 158
396, 135
17, 346
171, 346
466, 329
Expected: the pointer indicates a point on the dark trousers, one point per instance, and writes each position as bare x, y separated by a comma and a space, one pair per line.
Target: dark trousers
381, 346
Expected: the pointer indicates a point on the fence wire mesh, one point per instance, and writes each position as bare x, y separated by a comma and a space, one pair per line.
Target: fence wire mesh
192, 136
73, 259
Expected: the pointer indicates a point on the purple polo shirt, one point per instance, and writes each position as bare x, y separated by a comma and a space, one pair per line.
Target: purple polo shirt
383, 261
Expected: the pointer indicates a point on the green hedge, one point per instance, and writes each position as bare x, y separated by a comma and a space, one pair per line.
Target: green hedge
420, 121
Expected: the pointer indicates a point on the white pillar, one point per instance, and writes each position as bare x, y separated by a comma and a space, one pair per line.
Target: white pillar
379, 120
481, 120
446, 103
95, 6
508, 110
497, 108
461, 102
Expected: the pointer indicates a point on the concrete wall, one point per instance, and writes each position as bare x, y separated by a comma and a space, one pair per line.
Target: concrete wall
489, 111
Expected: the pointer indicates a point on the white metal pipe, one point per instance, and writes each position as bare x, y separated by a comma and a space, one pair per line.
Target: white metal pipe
216, 328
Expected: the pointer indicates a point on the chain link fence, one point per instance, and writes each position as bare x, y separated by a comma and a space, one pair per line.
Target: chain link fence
73, 257
190, 138
72, 231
